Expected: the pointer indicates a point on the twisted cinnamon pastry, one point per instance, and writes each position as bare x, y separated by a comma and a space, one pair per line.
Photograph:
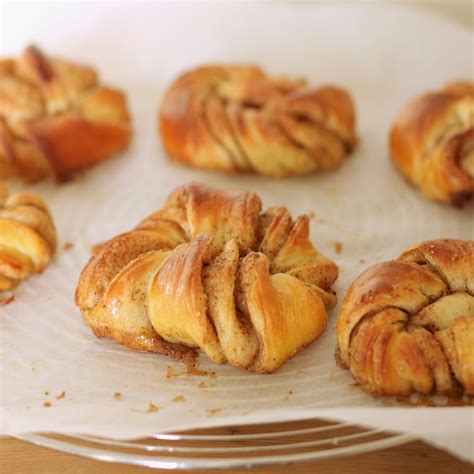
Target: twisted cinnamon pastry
432, 143
237, 119
55, 118
210, 271
408, 325
27, 237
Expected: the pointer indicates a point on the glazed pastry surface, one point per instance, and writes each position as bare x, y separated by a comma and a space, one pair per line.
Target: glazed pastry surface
56, 118
238, 119
27, 237
432, 143
211, 271
408, 325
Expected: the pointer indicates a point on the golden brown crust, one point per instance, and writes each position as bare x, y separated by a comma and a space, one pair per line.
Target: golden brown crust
237, 119
27, 237
55, 118
408, 325
432, 143
210, 271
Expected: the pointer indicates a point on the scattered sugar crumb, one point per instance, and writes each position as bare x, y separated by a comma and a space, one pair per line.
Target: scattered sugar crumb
152, 408
193, 370
61, 395
179, 398
337, 246
68, 246
7, 299
213, 411
170, 373
206, 385
47, 405
117, 395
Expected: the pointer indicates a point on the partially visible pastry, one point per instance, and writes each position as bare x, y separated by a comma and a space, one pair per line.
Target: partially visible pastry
27, 237
211, 271
238, 119
56, 118
432, 143
408, 325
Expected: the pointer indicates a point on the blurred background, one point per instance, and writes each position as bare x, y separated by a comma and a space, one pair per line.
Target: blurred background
461, 11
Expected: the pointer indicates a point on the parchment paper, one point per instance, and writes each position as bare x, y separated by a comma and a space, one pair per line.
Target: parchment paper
383, 55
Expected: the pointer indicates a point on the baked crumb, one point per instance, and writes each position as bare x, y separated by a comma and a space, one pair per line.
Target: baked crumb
206, 385
213, 411
287, 396
61, 395
190, 370
179, 398
117, 395
361, 261
6, 299
152, 408
193, 370
47, 405
338, 247
170, 372
46, 392
311, 215
68, 246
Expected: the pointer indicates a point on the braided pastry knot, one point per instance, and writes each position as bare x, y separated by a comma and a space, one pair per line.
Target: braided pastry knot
55, 118
237, 119
210, 271
27, 237
408, 325
432, 143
